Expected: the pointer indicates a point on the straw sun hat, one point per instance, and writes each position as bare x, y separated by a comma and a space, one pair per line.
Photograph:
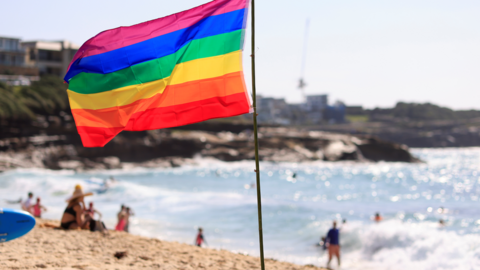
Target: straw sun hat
79, 193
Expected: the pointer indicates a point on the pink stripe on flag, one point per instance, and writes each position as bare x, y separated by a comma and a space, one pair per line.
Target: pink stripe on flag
116, 38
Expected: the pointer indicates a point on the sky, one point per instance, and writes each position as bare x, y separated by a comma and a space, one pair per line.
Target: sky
372, 53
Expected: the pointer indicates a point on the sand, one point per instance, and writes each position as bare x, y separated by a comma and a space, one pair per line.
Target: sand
59, 249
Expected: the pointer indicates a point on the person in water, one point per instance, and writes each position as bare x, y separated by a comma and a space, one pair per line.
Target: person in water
377, 217
128, 213
37, 208
333, 240
73, 216
200, 239
28, 203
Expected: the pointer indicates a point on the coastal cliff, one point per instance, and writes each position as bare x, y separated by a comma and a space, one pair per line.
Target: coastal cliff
61, 148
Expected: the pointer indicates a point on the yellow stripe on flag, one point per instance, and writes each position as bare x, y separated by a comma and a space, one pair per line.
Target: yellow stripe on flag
189, 71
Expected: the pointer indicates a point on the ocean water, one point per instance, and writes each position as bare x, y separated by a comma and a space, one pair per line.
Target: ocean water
172, 203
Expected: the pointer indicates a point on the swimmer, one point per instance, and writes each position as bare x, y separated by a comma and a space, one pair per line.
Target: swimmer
377, 217
441, 222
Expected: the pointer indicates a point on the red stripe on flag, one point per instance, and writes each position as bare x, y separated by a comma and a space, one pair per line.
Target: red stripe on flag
172, 116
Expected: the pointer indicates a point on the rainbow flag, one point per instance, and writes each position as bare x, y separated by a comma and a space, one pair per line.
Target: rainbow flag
173, 71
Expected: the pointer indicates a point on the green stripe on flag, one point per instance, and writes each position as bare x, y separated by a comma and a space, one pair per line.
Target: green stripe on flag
91, 83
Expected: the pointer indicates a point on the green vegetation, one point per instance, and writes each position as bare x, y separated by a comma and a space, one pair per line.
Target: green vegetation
45, 97
421, 112
357, 118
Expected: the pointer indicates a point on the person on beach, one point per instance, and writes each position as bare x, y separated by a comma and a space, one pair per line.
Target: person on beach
37, 208
95, 224
323, 243
200, 239
73, 216
129, 213
121, 219
28, 203
90, 211
377, 217
333, 240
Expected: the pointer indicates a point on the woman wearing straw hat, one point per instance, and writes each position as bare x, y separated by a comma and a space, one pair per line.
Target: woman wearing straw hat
72, 218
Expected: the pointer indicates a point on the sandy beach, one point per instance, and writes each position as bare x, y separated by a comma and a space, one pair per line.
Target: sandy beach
59, 249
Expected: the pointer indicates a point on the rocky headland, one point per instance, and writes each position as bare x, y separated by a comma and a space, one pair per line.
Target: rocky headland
59, 147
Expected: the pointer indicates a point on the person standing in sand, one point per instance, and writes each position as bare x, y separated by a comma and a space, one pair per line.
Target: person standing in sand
128, 213
73, 216
121, 222
333, 240
28, 203
200, 239
37, 208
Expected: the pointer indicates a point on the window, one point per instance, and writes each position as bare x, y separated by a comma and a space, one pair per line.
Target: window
32, 54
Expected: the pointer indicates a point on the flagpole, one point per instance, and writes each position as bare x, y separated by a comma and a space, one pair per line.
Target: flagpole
255, 134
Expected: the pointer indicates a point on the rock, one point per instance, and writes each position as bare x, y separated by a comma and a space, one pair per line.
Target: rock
166, 148
70, 164
338, 150
112, 162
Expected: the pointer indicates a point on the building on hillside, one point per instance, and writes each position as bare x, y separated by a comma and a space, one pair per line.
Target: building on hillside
273, 111
316, 103
335, 114
315, 107
13, 69
50, 57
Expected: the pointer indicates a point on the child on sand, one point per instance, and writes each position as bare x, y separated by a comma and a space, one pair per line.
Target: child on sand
37, 208
91, 211
200, 239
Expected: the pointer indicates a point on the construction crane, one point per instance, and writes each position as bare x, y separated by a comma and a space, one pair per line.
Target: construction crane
301, 82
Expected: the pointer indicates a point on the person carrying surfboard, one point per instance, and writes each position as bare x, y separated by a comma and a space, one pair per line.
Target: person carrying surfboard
73, 216
37, 208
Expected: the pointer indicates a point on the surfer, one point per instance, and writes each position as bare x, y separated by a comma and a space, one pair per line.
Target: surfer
200, 239
333, 240
28, 203
37, 208
73, 217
